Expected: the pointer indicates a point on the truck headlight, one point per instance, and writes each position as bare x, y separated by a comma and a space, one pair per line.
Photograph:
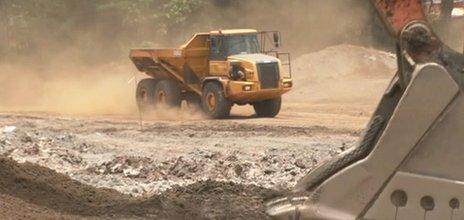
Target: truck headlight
287, 84
247, 88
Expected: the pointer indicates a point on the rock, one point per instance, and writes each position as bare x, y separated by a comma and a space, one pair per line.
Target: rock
300, 163
101, 171
231, 158
117, 168
26, 138
269, 171
343, 147
288, 168
135, 190
315, 161
65, 137
216, 155
84, 147
131, 172
238, 170
8, 129
174, 167
34, 150
333, 152
265, 158
4, 142
180, 174
70, 157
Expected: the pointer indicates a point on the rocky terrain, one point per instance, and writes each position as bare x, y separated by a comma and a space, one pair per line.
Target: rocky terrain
118, 155
177, 164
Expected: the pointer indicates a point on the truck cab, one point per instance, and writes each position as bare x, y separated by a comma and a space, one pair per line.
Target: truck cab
253, 73
229, 43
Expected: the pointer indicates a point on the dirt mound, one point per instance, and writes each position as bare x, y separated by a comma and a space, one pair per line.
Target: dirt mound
30, 191
54, 192
344, 73
219, 200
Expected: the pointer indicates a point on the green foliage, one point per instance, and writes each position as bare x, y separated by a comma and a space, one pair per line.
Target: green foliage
54, 24
134, 11
106, 29
179, 10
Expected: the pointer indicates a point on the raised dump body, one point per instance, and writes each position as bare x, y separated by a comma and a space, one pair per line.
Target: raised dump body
216, 70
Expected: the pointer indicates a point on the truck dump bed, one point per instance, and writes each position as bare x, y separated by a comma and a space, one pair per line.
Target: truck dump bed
162, 63
145, 59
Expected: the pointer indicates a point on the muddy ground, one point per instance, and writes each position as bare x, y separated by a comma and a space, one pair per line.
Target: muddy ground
179, 165
238, 162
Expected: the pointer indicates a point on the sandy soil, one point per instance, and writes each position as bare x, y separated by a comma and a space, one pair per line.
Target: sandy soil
104, 166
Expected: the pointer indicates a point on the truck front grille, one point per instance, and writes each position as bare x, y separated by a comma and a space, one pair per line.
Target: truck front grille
268, 75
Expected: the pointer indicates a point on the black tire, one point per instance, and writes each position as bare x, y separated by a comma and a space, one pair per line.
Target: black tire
213, 92
167, 92
145, 94
268, 108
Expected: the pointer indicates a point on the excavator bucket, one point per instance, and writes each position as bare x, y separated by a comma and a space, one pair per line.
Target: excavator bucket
407, 164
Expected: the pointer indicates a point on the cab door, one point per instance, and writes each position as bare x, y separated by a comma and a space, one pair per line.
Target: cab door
218, 64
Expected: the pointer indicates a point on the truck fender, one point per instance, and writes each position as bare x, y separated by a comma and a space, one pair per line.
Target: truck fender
221, 80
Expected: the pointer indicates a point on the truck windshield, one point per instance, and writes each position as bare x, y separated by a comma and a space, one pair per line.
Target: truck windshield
224, 46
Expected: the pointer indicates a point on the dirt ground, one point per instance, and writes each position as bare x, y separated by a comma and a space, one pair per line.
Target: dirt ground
178, 164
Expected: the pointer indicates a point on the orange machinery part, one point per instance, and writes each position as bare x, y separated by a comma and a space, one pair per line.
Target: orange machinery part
397, 14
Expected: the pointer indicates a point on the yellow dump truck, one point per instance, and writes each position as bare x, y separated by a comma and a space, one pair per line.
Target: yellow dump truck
216, 70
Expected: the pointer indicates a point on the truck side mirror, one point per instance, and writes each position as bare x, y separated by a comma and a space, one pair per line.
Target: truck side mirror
276, 39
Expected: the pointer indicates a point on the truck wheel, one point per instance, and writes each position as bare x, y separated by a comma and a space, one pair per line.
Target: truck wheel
145, 94
168, 93
268, 108
214, 102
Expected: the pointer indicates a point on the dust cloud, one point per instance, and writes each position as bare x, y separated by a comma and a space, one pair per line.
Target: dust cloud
108, 89
91, 73
306, 26
102, 90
